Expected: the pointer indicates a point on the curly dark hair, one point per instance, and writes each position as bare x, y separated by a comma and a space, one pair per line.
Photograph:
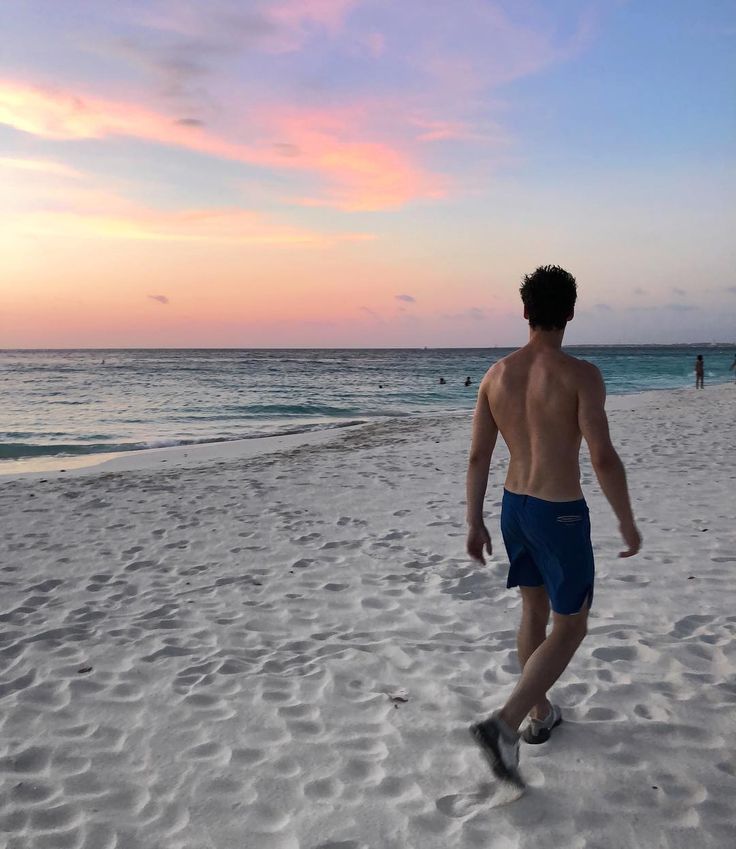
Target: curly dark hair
549, 295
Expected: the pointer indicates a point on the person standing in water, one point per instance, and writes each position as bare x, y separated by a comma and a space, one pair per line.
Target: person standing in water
733, 367
543, 402
699, 372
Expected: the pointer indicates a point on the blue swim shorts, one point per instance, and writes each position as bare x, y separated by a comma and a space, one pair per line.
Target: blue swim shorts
548, 544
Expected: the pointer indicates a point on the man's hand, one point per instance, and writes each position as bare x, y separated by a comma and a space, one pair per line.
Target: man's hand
632, 539
478, 538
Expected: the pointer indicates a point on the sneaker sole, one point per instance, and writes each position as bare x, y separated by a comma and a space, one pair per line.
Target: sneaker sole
541, 737
497, 766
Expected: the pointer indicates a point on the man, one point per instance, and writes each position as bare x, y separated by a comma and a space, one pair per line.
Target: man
699, 372
543, 402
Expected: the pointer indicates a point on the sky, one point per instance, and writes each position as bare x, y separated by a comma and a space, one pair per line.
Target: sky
363, 173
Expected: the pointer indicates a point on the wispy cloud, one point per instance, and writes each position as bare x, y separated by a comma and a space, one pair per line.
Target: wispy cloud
329, 14
372, 313
472, 313
360, 174
224, 226
183, 45
681, 307
41, 166
673, 307
678, 291
409, 299
162, 299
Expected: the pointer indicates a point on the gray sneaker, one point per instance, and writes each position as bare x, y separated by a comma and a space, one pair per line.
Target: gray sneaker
500, 745
539, 730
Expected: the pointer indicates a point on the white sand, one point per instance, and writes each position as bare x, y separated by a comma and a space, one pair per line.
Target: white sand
248, 620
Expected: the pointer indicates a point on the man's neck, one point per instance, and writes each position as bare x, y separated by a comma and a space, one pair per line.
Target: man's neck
545, 338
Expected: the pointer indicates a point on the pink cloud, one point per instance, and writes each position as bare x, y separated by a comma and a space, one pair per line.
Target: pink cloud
375, 42
223, 226
365, 175
360, 174
327, 13
465, 56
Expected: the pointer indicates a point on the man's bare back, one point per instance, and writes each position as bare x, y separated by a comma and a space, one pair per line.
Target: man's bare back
533, 395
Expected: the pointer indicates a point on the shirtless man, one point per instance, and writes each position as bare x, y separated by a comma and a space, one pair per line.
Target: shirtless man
699, 372
543, 402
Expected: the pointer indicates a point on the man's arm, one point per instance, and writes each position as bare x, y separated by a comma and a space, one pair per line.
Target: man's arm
607, 464
485, 433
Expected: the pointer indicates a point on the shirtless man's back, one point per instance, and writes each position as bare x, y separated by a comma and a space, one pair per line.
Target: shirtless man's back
533, 395
543, 402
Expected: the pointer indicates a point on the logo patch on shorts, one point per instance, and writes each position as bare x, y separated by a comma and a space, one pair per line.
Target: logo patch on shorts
570, 520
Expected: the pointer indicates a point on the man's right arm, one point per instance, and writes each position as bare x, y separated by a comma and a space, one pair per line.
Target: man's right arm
607, 464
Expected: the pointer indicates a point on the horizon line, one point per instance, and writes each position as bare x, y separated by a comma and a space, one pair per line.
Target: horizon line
719, 344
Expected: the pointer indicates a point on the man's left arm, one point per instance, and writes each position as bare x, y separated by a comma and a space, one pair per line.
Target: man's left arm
485, 433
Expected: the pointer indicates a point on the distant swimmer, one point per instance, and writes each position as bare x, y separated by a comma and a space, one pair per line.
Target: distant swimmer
467, 381
543, 402
443, 381
699, 372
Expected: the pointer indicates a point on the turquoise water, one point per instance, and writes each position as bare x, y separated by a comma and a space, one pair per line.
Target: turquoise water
63, 403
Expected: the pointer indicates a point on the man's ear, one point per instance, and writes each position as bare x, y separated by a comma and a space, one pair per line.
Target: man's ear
572, 315
526, 313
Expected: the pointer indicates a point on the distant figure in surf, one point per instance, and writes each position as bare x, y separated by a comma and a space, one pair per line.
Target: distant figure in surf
543, 402
733, 367
699, 372
443, 381
467, 381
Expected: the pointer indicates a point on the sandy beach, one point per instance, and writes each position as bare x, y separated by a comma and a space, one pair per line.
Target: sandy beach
284, 650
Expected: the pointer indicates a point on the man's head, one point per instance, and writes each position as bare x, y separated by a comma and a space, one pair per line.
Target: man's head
549, 296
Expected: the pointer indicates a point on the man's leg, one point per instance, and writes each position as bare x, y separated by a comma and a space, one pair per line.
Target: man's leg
533, 632
545, 665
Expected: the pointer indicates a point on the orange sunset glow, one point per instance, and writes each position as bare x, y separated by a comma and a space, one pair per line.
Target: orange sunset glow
282, 179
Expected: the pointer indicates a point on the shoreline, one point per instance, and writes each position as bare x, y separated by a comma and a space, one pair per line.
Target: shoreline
245, 448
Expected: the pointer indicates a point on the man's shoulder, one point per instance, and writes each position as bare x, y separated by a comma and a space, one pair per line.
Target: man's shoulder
582, 366
497, 367
583, 372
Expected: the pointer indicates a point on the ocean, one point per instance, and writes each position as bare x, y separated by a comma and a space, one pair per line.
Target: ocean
72, 403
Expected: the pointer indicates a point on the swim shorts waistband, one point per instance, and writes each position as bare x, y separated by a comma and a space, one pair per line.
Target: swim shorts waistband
522, 498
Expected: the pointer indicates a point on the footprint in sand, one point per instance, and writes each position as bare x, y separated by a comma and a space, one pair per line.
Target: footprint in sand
614, 653
652, 712
213, 751
323, 789
688, 625
638, 580
487, 796
33, 793
248, 756
603, 714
